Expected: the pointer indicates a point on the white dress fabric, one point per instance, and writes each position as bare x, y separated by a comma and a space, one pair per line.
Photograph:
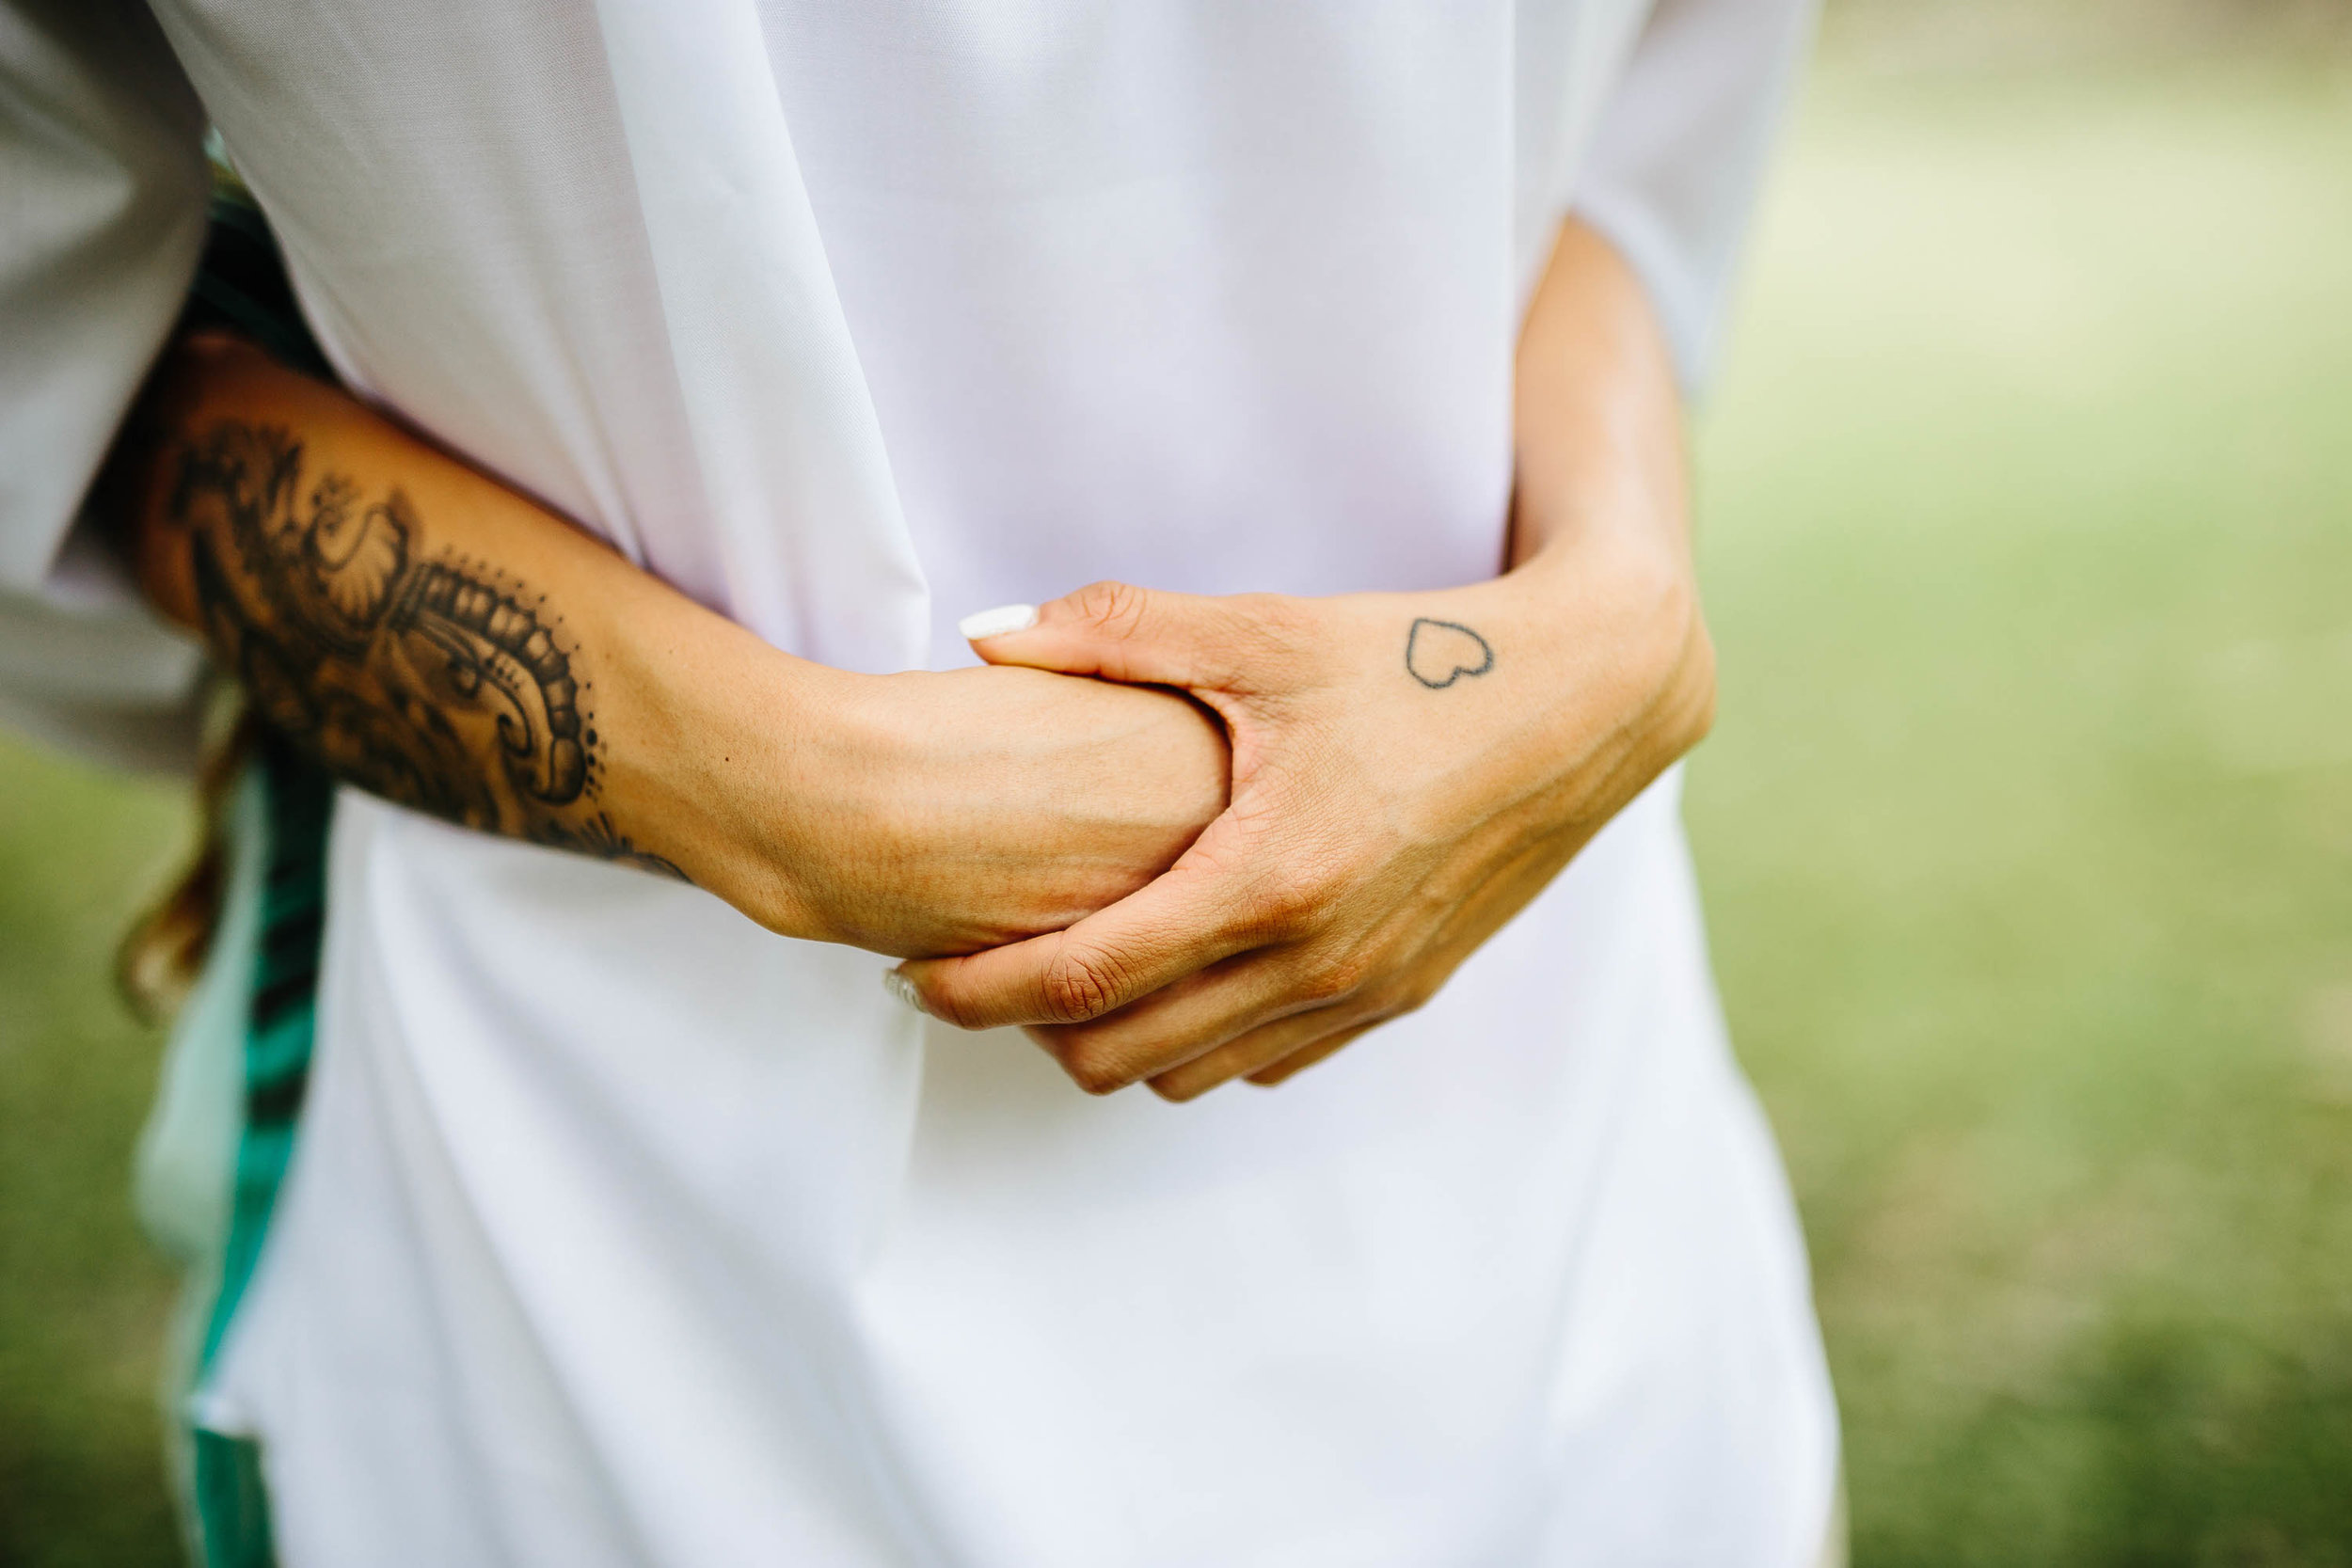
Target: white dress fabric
623, 1233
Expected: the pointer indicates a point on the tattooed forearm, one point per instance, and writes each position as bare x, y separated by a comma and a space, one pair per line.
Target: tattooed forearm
428, 681
1439, 652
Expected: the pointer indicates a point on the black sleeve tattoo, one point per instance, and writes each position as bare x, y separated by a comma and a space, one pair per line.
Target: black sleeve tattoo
1439, 652
430, 683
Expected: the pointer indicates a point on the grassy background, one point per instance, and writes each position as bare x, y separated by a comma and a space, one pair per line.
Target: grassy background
2027, 829
81, 1302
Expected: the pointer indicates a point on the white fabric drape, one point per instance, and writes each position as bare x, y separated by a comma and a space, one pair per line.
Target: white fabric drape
623, 1233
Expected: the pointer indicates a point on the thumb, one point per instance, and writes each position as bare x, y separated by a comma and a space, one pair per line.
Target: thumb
1119, 632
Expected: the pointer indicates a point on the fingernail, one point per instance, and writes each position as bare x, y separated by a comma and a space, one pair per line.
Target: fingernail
902, 988
997, 622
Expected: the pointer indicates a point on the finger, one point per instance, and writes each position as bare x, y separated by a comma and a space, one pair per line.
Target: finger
1121, 633
1303, 1039
1189, 1018
1265, 1078
1190, 917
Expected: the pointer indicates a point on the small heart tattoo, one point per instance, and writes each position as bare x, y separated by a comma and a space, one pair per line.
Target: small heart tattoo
1439, 652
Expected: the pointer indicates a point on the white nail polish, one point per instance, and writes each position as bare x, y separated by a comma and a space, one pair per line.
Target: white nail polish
902, 990
997, 622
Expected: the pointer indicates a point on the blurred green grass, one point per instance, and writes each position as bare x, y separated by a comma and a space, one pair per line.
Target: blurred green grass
2027, 832
83, 1303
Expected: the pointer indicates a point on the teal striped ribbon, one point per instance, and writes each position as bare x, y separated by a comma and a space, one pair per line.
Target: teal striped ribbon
232, 1502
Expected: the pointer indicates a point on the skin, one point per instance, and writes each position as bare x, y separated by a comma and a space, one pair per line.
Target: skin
1084, 857
424, 631
1389, 812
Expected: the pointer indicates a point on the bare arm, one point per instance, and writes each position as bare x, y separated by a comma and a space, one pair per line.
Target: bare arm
1599, 415
1409, 769
449, 644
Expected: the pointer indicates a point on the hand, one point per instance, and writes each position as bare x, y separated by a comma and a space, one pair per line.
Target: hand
1408, 771
932, 813
434, 636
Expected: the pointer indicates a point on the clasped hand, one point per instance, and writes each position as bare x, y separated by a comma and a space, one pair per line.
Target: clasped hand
1408, 771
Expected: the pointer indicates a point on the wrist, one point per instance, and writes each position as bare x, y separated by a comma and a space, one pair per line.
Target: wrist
719, 729
1620, 612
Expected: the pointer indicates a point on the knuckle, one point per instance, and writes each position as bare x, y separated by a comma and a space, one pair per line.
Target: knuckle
1335, 979
1295, 894
1080, 983
1114, 608
1408, 998
1096, 1069
1176, 1089
1408, 995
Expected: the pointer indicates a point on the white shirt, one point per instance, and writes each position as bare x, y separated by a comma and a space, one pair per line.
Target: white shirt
624, 1232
